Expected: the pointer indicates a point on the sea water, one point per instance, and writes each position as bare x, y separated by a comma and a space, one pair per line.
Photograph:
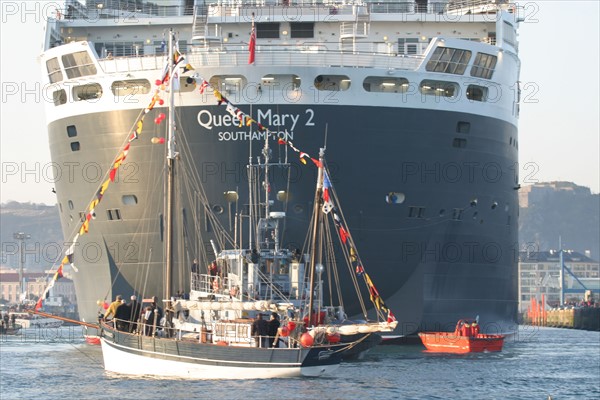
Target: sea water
536, 363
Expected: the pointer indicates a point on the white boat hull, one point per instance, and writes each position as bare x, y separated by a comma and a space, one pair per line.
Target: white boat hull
121, 360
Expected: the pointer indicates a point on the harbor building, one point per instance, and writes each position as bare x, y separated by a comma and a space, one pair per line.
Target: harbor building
540, 274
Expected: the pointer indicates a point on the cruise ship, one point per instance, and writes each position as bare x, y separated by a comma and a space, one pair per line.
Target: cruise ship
417, 103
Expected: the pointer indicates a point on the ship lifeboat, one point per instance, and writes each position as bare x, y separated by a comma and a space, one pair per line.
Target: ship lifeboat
465, 339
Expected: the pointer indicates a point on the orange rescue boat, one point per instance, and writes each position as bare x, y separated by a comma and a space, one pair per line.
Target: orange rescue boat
465, 339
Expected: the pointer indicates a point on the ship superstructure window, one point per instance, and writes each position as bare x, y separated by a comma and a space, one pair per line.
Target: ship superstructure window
385, 84
332, 82
299, 30
448, 60
228, 84
267, 30
70, 203
483, 66
59, 97
75, 146
114, 214
281, 82
90, 91
131, 87
477, 93
71, 131
408, 46
78, 64
438, 88
54, 72
129, 199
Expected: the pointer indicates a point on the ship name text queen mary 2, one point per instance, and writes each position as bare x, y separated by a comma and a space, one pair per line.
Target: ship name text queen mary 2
417, 103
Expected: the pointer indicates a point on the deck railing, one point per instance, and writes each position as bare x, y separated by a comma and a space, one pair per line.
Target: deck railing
288, 57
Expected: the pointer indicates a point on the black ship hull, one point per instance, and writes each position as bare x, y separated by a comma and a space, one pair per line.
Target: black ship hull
448, 251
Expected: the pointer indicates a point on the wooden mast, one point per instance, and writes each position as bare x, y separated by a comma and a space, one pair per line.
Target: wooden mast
170, 175
313, 252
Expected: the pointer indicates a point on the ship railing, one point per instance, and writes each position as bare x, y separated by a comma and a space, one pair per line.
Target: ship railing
228, 8
211, 283
291, 56
462, 7
313, 8
122, 10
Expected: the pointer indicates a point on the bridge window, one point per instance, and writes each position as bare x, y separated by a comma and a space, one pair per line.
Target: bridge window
483, 66
75, 146
78, 64
54, 72
448, 60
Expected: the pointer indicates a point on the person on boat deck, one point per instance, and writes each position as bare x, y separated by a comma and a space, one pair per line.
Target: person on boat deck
112, 309
195, 266
13, 318
260, 330
213, 269
148, 320
154, 317
122, 316
273, 326
135, 310
474, 329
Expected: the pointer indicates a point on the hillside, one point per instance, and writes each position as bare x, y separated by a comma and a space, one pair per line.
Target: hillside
38, 220
552, 209
547, 211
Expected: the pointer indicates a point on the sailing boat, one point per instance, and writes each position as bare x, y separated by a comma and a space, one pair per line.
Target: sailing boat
217, 332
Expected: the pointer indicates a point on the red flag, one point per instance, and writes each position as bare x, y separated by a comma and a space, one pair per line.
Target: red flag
343, 234
38, 305
252, 44
390, 318
203, 86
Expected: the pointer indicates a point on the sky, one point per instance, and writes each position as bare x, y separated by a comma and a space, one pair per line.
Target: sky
558, 129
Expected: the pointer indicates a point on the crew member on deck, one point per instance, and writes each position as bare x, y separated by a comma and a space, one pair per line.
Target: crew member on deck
112, 309
260, 330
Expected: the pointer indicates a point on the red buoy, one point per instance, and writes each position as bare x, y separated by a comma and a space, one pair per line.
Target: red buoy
306, 340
